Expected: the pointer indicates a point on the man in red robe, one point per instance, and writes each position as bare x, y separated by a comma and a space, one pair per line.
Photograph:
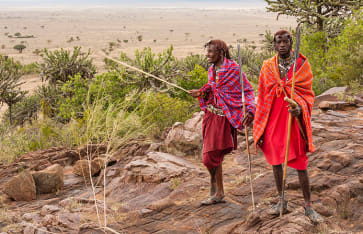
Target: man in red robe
270, 125
221, 100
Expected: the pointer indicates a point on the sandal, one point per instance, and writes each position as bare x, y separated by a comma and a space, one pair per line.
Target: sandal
213, 200
313, 215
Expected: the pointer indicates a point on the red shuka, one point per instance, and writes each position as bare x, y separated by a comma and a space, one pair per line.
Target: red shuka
275, 134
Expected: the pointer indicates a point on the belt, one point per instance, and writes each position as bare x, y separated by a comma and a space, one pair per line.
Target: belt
215, 110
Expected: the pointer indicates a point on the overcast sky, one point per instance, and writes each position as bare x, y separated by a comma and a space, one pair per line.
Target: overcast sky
137, 3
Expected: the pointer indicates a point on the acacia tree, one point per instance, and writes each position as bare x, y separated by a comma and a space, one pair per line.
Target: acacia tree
316, 13
19, 47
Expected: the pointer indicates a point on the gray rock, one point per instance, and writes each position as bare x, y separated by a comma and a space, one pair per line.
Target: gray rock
49, 209
49, 180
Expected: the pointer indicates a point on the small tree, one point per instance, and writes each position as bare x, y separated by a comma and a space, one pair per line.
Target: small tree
60, 65
11, 97
316, 13
10, 74
20, 47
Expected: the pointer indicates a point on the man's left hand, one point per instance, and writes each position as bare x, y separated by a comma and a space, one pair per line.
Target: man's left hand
247, 120
295, 111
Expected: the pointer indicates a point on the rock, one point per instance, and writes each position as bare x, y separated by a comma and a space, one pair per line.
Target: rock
49, 220
29, 230
326, 105
195, 123
181, 141
157, 167
69, 220
42, 230
323, 210
49, 180
161, 204
330, 95
21, 187
49, 209
30, 216
81, 168
253, 219
100, 161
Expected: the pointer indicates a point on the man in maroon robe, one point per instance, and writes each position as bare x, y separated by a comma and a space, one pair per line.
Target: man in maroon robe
221, 100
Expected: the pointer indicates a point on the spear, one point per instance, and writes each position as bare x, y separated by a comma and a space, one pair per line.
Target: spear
296, 56
143, 72
246, 131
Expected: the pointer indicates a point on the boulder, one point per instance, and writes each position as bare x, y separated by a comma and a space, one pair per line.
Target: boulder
81, 168
21, 187
182, 142
49, 180
337, 105
330, 95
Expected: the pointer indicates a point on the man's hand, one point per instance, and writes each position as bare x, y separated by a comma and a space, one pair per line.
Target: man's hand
296, 111
260, 141
194, 93
247, 120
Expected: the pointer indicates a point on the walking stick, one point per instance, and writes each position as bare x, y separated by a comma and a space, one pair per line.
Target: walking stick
143, 72
246, 131
296, 55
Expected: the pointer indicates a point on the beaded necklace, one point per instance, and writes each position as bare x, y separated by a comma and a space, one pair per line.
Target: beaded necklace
285, 65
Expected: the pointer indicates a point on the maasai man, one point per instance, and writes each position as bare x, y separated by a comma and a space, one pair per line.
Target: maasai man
270, 123
221, 100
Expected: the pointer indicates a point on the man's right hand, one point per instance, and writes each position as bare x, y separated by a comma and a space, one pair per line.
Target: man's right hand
195, 93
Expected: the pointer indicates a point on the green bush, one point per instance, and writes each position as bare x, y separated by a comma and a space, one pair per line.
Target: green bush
336, 61
195, 79
25, 110
60, 65
31, 68
162, 111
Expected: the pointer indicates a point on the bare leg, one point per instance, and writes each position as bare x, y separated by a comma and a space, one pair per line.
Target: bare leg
212, 173
278, 174
219, 181
305, 185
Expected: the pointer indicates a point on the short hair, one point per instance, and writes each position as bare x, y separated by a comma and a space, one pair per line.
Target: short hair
282, 32
220, 45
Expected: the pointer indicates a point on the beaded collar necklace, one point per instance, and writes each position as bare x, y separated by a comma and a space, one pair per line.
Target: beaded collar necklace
285, 65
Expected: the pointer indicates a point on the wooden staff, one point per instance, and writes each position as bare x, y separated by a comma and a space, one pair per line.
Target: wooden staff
246, 130
296, 55
143, 72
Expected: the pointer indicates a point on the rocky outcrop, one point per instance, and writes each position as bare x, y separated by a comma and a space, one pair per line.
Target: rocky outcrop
21, 187
152, 192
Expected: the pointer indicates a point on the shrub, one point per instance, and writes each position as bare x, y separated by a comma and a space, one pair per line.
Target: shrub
25, 110
157, 109
194, 80
58, 66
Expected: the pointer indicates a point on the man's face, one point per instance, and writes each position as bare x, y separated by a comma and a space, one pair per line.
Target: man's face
213, 55
283, 44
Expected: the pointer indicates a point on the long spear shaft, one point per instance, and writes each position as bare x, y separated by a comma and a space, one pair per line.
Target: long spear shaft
143, 72
297, 47
246, 130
